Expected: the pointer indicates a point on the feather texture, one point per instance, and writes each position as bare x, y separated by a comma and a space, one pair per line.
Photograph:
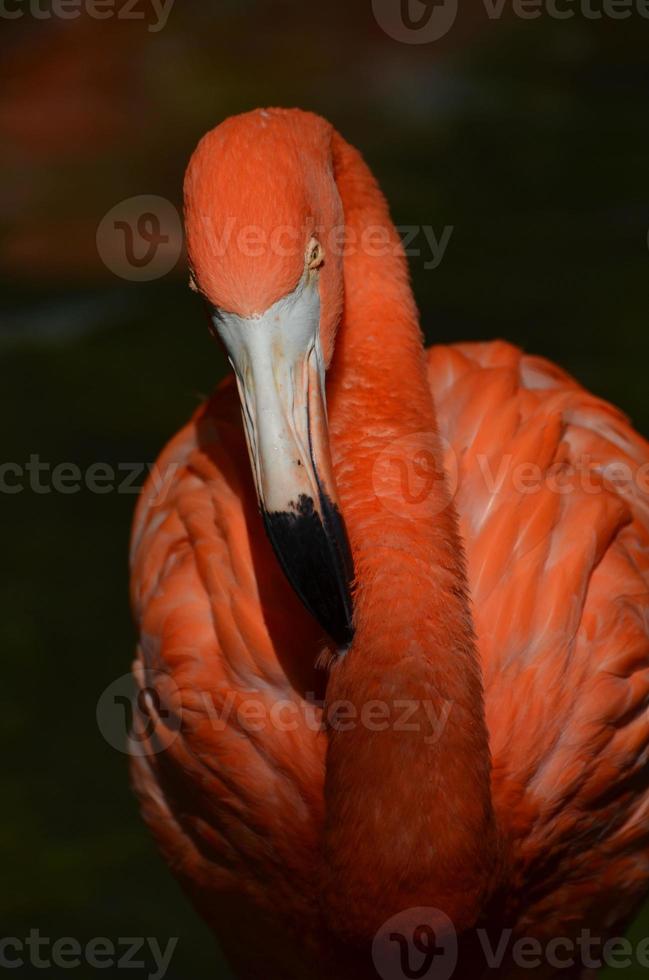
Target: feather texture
559, 593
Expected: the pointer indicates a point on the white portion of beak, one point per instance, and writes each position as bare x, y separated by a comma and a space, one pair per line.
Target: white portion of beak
277, 360
278, 363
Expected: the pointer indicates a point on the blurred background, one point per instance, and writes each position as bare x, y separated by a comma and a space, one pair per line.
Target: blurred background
527, 138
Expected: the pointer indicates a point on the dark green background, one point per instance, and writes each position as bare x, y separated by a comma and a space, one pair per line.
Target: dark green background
529, 137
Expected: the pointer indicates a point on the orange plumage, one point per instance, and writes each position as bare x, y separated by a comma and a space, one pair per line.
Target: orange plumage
507, 605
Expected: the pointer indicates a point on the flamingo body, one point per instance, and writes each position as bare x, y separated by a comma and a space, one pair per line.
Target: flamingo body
251, 799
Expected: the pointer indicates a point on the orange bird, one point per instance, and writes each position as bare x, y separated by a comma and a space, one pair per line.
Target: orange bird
393, 608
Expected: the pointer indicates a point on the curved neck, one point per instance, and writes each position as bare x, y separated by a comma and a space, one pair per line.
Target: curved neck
409, 817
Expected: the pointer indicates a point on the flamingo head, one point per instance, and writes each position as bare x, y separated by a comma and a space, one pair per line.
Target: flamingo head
261, 211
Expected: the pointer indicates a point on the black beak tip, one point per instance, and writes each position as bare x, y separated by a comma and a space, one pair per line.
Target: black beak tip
312, 547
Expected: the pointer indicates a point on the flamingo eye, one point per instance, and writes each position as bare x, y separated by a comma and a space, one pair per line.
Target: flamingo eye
315, 255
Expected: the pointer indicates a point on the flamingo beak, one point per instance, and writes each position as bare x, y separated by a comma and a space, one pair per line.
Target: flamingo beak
279, 368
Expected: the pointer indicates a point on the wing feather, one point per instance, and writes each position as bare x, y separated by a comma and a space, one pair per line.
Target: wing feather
235, 800
553, 502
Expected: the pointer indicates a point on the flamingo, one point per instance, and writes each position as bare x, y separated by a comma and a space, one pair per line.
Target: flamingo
393, 608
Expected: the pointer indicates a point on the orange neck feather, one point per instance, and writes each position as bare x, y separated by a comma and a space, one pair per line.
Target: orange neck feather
409, 817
